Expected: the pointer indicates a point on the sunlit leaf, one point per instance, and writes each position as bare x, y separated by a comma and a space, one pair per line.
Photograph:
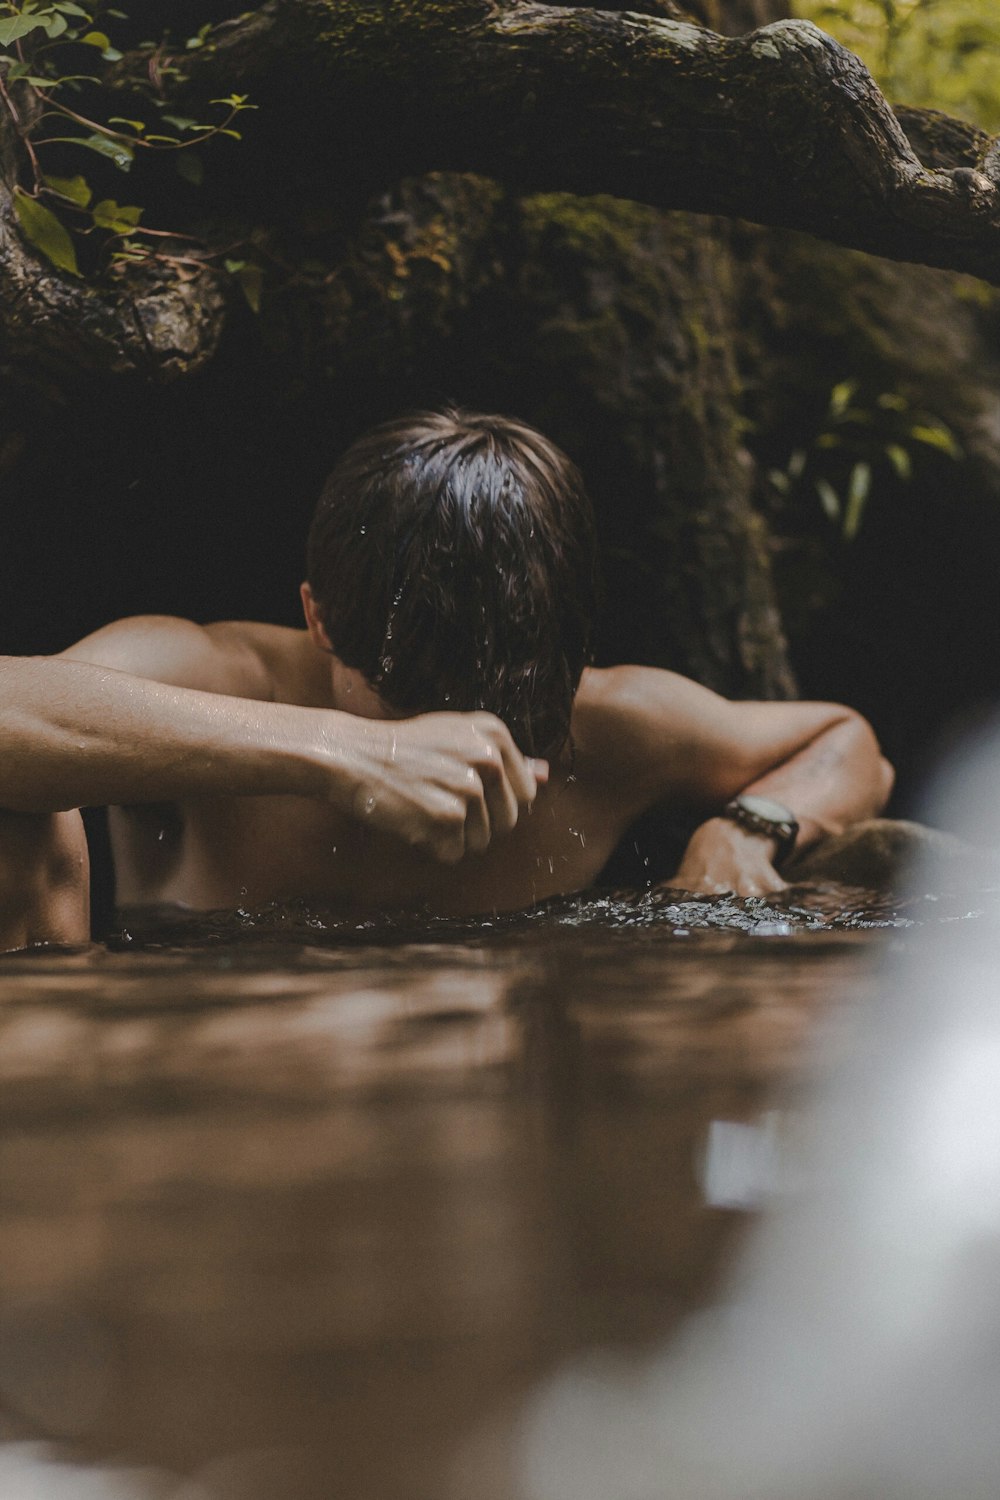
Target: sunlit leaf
76, 189
829, 499
900, 459
19, 26
96, 39
840, 397
858, 487
137, 125
48, 234
936, 437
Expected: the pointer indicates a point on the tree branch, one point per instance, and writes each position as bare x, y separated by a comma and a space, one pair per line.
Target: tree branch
783, 126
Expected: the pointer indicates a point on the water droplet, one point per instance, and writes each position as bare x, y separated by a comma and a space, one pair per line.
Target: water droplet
363, 530
370, 805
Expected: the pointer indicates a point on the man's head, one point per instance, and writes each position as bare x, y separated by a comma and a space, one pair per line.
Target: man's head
452, 563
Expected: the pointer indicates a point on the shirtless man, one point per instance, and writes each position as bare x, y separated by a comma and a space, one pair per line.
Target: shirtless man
433, 739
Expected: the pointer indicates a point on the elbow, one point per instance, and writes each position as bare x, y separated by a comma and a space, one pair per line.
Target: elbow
878, 773
886, 782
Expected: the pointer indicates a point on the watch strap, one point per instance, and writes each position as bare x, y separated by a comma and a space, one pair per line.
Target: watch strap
783, 830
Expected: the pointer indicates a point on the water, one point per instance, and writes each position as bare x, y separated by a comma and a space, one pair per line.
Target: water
291, 1205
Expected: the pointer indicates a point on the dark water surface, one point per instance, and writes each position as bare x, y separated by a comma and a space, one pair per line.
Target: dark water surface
288, 1207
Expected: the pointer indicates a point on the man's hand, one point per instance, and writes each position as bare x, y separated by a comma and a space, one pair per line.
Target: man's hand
722, 856
446, 782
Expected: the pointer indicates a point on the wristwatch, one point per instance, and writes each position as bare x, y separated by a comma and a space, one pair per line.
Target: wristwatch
761, 815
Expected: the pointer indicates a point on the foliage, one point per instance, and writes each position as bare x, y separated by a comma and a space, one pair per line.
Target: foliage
940, 54
54, 55
863, 440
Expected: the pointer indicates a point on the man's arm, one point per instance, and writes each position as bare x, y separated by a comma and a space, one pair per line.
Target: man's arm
75, 734
680, 742
837, 778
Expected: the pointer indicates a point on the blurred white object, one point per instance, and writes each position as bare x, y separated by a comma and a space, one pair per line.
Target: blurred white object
857, 1353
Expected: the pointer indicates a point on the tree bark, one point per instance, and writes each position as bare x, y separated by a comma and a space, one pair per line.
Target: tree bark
781, 126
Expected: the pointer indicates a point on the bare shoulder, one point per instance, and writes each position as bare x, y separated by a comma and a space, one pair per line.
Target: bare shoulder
630, 722
651, 734
617, 709
237, 657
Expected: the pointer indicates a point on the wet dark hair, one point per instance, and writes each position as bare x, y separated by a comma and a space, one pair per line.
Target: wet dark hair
453, 559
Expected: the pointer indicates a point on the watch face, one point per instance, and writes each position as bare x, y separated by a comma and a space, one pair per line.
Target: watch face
763, 807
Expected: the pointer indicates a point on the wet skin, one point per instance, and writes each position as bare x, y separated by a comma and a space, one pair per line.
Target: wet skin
637, 735
245, 764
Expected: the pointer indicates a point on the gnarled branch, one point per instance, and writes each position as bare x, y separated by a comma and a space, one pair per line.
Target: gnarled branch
782, 126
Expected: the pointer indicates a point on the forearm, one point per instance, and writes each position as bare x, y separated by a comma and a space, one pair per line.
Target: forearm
837, 779
77, 735
74, 735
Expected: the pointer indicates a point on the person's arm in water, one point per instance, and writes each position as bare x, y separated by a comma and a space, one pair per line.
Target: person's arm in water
76, 734
680, 742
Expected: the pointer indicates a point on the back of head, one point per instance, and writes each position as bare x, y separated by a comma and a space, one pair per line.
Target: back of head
453, 559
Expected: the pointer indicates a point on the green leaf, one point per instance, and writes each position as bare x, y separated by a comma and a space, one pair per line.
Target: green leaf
857, 493
55, 25
19, 26
936, 437
840, 397
120, 217
191, 168
76, 189
96, 39
137, 125
180, 122
829, 499
111, 54
779, 479
47, 233
797, 463
117, 151
22, 72
900, 460
69, 9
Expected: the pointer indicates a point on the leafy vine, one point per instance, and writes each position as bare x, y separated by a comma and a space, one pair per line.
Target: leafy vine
53, 53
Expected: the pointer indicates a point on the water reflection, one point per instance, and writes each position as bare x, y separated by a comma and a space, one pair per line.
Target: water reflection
857, 1349
292, 1216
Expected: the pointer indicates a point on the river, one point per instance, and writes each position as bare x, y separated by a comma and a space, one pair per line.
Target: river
290, 1210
